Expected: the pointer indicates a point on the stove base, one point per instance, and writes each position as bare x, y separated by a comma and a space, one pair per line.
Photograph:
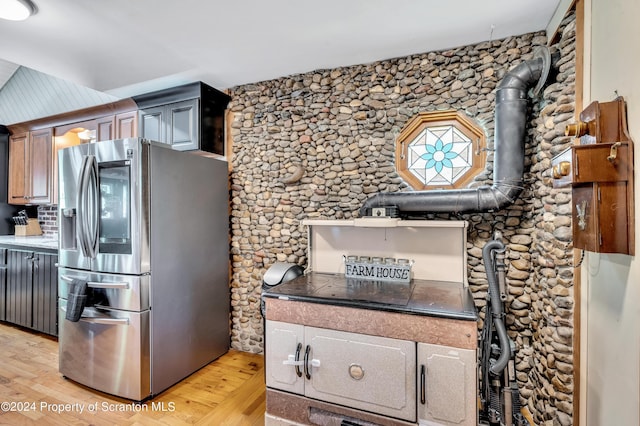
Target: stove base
285, 409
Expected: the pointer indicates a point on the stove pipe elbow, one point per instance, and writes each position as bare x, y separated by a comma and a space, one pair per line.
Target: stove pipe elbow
508, 166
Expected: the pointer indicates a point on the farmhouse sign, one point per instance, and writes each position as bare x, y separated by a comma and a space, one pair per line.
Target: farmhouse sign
378, 269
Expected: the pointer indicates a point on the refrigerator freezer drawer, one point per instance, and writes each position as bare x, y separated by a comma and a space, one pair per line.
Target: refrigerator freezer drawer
107, 350
127, 292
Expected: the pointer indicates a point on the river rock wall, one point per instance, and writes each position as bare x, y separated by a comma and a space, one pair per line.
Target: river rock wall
316, 145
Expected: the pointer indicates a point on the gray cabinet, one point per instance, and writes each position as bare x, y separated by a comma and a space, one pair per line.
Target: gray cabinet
3, 282
19, 301
31, 290
45, 293
189, 117
175, 124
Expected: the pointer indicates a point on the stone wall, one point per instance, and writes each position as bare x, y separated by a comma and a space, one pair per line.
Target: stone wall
337, 128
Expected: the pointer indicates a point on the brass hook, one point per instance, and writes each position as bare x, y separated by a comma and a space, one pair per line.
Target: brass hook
613, 152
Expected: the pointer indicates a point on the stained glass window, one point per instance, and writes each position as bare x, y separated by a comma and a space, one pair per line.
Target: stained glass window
439, 150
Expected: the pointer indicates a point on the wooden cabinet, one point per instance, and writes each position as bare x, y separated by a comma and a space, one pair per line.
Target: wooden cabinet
126, 125
189, 117
104, 128
600, 171
30, 167
600, 199
31, 293
119, 126
109, 127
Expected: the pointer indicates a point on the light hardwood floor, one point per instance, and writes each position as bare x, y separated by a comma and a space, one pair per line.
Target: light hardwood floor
228, 391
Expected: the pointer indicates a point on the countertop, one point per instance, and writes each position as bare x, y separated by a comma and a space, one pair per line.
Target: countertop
418, 297
46, 242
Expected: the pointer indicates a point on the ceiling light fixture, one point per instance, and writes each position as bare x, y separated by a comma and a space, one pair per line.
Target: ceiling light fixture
17, 10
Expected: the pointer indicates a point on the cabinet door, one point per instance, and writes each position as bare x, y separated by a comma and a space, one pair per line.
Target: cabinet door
19, 288
127, 125
447, 387
152, 124
182, 125
3, 283
18, 171
282, 341
45, 293
371, 373
599, 223
40, 163
105, 128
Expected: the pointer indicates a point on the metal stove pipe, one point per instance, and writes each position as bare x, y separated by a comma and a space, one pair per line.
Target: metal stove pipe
508, 166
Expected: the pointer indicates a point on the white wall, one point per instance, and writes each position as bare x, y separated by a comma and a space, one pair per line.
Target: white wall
610, 331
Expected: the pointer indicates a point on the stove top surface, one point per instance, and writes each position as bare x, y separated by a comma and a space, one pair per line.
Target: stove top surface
439, 298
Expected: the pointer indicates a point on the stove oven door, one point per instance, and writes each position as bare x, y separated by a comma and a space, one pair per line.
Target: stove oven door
370, 373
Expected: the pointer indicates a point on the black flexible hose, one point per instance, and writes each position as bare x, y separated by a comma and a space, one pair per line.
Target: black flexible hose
496, 306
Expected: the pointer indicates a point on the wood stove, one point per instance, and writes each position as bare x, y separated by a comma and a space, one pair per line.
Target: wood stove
361, 351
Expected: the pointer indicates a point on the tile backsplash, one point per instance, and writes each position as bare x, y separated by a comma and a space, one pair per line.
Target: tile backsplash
48, 218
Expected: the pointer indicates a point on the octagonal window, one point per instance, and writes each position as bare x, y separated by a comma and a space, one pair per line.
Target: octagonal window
441, 149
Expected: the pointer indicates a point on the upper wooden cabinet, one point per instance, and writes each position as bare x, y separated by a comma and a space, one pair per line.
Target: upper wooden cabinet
126, 125
189, 117
30, 162
118, 126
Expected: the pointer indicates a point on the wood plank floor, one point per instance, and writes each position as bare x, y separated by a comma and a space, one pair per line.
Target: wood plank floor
229, 391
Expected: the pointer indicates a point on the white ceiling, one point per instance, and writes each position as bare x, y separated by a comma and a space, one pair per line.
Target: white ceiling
127, 47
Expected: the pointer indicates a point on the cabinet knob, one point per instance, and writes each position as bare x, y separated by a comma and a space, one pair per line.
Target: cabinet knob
356, 371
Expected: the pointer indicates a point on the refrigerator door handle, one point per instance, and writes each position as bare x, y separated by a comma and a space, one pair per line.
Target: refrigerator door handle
95, 284
101, 320
81, 208
88, 206
92, 206
105, 321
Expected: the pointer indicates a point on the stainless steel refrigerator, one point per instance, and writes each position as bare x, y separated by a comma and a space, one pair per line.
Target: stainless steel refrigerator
143, 262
